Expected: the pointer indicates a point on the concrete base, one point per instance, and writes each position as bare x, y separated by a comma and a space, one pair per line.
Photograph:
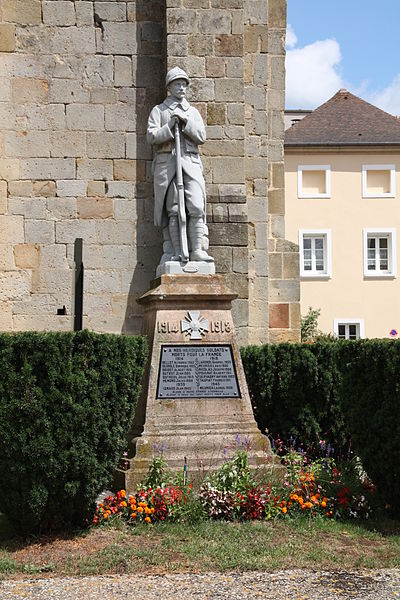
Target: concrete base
204, 430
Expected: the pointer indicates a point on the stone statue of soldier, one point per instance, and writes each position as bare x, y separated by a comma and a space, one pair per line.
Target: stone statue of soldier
174, 127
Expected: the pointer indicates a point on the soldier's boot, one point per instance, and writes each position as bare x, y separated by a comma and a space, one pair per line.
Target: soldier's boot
173, 228
168, 250
196, 234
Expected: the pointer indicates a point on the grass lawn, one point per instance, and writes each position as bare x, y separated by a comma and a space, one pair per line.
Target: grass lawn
206, 546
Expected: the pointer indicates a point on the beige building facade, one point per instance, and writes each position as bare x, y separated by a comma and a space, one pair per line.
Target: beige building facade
77, 83
342, 178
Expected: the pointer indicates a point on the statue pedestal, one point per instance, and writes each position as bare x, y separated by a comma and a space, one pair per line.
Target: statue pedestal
172, 267
194, 402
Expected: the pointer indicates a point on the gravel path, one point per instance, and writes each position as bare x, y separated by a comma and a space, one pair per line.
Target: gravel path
279, 585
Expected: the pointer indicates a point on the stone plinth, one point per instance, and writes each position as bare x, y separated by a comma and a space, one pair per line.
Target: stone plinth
188, 311
173, 267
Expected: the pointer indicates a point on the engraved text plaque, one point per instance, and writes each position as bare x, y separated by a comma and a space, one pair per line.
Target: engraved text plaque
197, 371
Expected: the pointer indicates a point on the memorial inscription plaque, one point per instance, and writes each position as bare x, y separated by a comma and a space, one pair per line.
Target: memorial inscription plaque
197, 371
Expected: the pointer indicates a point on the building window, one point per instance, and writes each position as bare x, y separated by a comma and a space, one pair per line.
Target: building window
314, 181
315, 253
378, 181
349, 329
380, 253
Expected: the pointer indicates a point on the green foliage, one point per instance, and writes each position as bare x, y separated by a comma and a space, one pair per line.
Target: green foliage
158, 474
66, 402
342, 391
294, 390
233, 475
309, 325
371, 403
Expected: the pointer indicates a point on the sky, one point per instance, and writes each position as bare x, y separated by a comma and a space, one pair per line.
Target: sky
352, 44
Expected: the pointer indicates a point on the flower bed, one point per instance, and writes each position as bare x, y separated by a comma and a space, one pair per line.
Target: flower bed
233, 492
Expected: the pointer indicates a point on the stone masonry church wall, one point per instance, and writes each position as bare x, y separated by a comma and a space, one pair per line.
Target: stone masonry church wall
77, 82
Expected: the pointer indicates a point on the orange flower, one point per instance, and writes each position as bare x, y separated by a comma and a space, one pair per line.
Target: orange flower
323, 504
133, 515
124, 503
139, 509
148, 520
105, 516
284, 510
122, 493
300, 500
152, 510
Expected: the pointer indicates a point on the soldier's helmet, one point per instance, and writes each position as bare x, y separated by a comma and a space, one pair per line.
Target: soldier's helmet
176, 73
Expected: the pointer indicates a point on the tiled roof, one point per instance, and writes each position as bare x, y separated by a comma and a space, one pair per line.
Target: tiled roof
342, 121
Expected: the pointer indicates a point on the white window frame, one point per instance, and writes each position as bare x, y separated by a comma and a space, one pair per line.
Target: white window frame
391, 168
301, 168
327, 272
359, 322
390, 232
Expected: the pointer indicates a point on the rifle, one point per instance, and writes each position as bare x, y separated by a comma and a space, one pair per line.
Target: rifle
181, 198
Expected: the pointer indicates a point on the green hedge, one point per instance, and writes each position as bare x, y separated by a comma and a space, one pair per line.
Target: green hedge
338, 391
66, 402
371, 403
294, 390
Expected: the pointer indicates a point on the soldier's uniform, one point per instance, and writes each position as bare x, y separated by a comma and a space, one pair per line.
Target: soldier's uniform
160, 135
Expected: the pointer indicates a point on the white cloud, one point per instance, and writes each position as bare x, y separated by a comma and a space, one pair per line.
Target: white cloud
387, 99
312, 72
313, 76
291, 37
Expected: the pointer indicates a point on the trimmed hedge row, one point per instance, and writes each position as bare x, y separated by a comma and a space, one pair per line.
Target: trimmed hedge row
66, 403
370, 394
336, 391
294, 390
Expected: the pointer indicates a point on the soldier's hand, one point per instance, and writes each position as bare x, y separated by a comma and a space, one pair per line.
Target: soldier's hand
181, 115
171, 123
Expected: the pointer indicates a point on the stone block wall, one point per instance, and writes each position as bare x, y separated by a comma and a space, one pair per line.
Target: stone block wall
77, 82
235, 51
283, 256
